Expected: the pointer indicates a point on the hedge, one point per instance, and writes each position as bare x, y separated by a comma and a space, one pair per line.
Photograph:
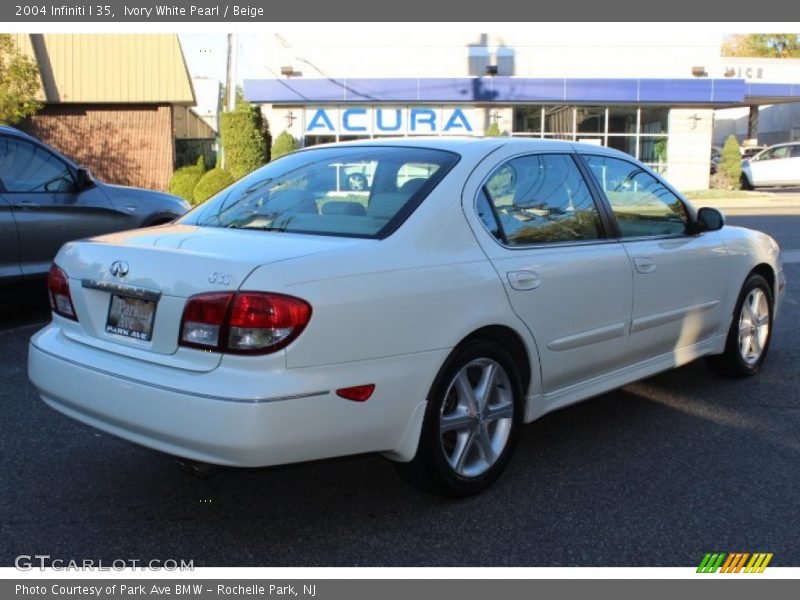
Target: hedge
185, 179
212, 182
243, 143
284, 144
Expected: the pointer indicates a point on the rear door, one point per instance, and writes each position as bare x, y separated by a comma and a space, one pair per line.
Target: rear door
9, 249
48, 208
566, 280
679, 279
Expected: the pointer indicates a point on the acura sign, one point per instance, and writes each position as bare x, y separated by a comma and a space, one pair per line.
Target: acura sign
389, 120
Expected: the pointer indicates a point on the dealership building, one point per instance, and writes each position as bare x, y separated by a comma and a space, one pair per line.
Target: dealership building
651, 93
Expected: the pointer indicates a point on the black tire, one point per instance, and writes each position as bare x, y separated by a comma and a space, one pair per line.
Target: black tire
493, 433
731, 362
745, 183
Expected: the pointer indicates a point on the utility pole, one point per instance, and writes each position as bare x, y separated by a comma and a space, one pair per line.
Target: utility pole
230, 75
230, 82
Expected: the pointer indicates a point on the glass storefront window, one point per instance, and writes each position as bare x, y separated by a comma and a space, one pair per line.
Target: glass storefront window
653, 149
640, 131
558, 119
528, 119
590, 119
625, 143
654, 119
313, 140
621, 119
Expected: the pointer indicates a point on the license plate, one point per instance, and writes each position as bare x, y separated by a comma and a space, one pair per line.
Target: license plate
131, 317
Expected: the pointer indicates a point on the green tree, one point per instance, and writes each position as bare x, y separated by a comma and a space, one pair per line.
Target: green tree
210, 183
768, 45
243, 142
493, 130
731, 162
185, 179
284, 144
19, 83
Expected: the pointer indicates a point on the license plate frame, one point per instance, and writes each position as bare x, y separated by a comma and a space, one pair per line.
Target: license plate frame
137, 324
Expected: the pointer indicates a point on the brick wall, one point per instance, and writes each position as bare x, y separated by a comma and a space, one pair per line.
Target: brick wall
126, 144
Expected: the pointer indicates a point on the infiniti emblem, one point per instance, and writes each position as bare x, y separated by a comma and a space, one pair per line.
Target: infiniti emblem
119, 268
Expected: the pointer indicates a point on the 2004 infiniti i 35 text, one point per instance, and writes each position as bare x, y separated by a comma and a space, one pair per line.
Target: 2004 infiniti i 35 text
468, 287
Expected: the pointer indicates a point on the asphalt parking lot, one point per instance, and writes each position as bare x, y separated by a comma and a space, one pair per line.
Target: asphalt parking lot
655, 474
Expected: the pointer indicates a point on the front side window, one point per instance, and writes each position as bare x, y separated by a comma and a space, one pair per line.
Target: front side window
26, 167
359, 191
538, 199
776, 153
642, 205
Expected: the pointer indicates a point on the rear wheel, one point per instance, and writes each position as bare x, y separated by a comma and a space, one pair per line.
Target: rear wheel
471, 422
750, 332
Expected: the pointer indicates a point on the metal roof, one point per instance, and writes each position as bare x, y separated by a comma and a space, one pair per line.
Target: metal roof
109, 68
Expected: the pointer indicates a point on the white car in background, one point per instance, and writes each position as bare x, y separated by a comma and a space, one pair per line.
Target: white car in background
478, 285
775, 166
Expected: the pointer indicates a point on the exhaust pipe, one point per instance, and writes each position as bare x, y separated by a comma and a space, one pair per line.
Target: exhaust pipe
197, 468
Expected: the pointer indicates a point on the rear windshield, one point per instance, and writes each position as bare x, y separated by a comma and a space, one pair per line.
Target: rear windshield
355, 191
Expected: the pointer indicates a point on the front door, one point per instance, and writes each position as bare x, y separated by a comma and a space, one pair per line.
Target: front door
679, 279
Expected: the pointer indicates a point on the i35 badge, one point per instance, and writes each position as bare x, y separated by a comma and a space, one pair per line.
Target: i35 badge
119, 268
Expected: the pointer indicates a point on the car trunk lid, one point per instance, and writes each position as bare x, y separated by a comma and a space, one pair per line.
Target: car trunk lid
130, 288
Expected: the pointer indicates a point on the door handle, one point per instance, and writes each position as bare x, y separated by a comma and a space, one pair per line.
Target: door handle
26, 204
524, 280
644, 264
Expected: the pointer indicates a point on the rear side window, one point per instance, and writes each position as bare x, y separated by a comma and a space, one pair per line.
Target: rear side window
536, 199
642, 205
26, 167
364, 191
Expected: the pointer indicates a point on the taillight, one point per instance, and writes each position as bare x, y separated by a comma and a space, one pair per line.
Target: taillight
58, 290
244, 322
204, 319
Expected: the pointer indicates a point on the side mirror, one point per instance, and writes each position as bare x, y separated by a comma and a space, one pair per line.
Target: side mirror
709, 219
84, 179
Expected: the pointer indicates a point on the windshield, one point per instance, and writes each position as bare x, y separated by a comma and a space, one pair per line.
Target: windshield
356, 191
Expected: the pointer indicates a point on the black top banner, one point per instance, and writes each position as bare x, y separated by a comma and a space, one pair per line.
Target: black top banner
144, 11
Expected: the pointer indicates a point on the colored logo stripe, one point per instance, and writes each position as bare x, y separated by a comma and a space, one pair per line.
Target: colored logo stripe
758, 563
734, 562
711, 562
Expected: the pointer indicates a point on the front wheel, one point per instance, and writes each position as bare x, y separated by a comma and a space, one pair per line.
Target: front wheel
471, 423
750, 332
745, 183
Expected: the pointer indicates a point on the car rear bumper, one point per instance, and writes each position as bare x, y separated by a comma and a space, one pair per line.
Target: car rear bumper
311, 423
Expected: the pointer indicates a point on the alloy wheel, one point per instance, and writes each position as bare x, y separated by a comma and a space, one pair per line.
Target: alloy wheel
476, 417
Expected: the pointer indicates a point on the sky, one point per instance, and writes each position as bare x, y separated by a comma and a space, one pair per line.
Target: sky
206, 55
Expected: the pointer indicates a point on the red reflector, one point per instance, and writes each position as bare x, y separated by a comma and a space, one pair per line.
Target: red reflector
357, 393
208, 308
254, 310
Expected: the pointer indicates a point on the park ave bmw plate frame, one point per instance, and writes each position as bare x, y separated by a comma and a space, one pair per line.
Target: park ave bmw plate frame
131, 317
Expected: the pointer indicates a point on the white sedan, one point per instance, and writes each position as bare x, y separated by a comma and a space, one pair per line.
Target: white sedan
774, 166
478, 285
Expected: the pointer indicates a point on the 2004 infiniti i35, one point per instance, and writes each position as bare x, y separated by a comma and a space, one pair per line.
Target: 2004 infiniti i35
466, 287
